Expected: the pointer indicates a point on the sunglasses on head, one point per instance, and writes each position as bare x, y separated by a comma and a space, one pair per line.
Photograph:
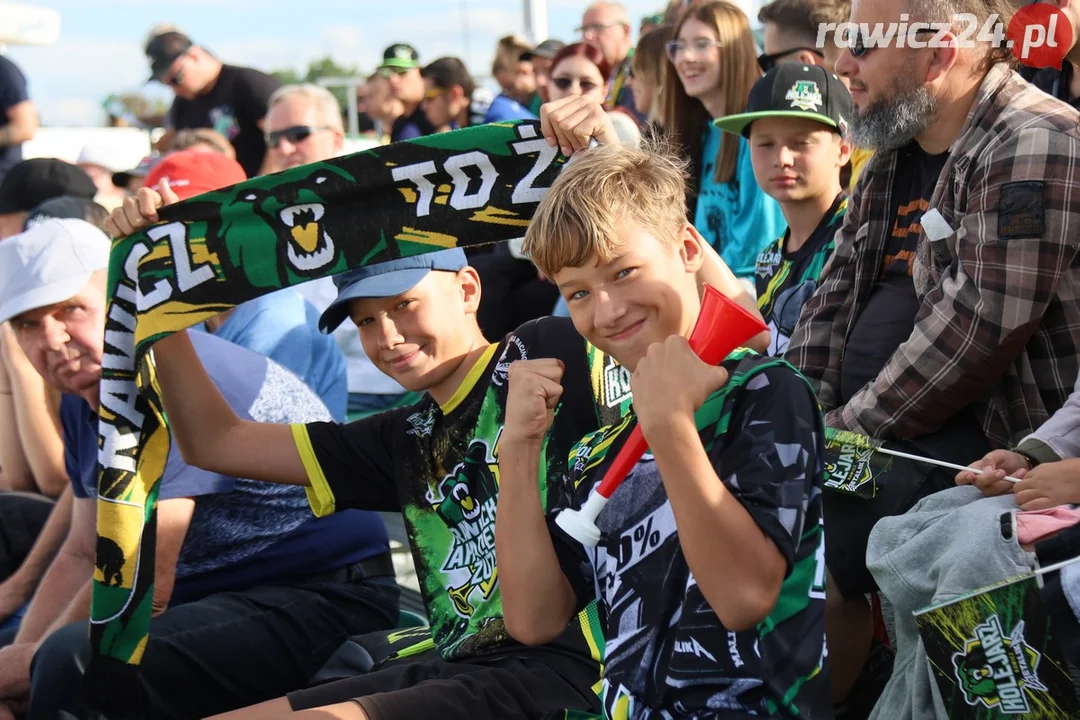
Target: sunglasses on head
565, 83
768, 62
295, 134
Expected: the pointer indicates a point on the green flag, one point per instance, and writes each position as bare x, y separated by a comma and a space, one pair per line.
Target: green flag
992, 655
212, 252
853, 463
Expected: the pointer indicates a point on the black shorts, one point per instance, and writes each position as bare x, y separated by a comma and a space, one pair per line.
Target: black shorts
526, 684
849, 520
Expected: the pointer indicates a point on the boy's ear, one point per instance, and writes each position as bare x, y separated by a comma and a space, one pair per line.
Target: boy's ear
469, 283
846, 148
691, 248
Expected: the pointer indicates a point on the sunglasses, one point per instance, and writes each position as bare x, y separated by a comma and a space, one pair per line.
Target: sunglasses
858, 45
296, 134
565, 83
433, 93
768, 62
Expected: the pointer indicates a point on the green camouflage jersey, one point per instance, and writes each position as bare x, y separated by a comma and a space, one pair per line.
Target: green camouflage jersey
785, 281
438, 465
667, 653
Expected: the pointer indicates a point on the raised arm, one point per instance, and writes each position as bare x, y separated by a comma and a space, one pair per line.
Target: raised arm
538, 600
209, 433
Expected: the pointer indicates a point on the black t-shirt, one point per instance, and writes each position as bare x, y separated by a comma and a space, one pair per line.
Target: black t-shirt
12, 92
234, 107
888, 317
412, 126
438, 465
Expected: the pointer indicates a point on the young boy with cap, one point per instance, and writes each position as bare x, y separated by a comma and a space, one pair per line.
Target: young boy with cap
795, 122
709, 569
435, 462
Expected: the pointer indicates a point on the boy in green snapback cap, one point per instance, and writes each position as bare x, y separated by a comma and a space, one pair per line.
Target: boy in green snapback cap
796, 122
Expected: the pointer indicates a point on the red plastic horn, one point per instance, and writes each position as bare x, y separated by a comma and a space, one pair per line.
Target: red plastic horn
721, 327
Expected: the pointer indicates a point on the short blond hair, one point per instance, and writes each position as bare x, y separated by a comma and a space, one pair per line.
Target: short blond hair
582, 213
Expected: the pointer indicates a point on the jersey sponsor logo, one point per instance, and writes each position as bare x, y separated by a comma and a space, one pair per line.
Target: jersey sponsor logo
768, 261
422, 423
465, 500
733, 649
997, 670
693, 647
616, 383
502, 367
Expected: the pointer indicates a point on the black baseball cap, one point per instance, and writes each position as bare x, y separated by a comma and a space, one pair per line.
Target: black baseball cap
400, 56
33, 181
163, 49
794, 90
547, 49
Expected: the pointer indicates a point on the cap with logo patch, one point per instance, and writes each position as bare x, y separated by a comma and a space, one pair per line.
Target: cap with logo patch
794, 90
386, 279
400, 56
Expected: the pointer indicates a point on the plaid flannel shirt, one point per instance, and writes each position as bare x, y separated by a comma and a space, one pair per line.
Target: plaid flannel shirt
999, 318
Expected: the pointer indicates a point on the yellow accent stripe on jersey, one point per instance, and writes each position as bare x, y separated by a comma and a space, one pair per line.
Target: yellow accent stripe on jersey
777, 279
604, 444
320, 497
590, 638
470, 381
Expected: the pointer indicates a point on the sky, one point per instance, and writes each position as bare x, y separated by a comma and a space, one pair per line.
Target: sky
100, 48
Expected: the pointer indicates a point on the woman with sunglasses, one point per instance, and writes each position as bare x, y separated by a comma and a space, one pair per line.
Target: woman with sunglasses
713, 66
581, 69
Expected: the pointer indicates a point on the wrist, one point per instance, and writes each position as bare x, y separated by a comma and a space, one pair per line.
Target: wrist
516, 442
668, 428
1030, 462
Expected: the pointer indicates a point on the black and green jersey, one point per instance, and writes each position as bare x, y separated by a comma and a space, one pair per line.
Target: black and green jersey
438, 465
785, 281
667, 653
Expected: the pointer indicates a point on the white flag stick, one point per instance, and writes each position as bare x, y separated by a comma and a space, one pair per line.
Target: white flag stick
939, 463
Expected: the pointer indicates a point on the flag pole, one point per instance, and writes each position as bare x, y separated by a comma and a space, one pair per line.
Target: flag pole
939, 463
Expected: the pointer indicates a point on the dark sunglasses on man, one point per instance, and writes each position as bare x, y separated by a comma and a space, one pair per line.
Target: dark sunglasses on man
295, 134
859, 45
768, 62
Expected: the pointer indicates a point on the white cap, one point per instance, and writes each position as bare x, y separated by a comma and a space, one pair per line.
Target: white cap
99, 155
49, 263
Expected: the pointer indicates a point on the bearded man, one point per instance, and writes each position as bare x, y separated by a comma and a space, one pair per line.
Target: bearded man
947, 321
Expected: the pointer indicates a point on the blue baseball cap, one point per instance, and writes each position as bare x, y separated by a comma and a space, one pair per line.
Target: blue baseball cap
386, 280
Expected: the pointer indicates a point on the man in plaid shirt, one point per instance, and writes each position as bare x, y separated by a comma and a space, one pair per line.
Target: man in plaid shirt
947, 319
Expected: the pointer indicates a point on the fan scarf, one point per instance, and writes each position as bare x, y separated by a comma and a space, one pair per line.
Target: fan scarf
215, 251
